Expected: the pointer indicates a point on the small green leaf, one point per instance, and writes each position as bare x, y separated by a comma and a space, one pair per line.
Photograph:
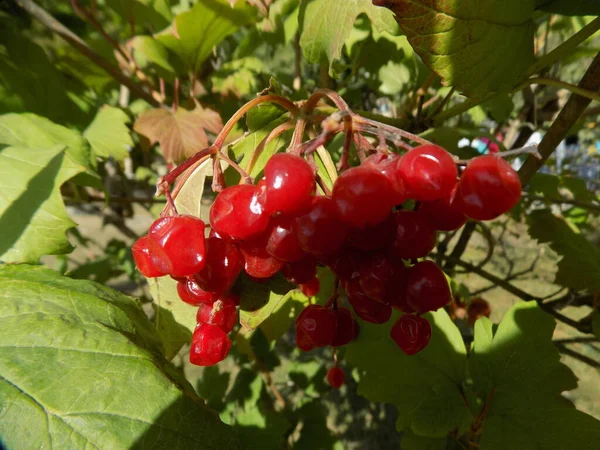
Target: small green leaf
320, 41
519, 375
91, 375
579, 267
469, 45
108, 133
33, 218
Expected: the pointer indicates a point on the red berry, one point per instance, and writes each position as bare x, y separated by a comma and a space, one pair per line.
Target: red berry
428, 171
181, 239
376, 273
445, 214
221, 314
223, 264
311, 287
335, 377
210, 345
363, 196
365, 307
319, 230
411, 333
300, 272
426, 287
345, 263
144, 258
415, 235
388, 165
488, 187
396, 292
192, 294
282, 242
289, 182
257, 262
316, 326
347, 327
377, 237
238, 212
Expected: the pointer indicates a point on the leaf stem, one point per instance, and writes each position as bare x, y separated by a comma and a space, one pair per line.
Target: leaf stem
561, 85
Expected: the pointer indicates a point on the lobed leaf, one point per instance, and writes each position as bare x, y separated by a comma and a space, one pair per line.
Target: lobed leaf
108, 133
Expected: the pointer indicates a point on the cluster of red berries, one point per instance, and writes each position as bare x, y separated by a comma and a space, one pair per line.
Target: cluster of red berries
360, 231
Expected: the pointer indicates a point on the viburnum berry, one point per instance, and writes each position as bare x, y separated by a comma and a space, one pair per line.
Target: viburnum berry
344, 264
388, 165
488, 188
415, 235
210, 345
224, 262
375, 275
221, 314
428, 172
300, 272
365, 307
180, 244
426, 287
363, 196
282, 242
411, 333
289, 183
258, 263
311, 287
319, 230
316, 326
377, 237
347, 327
238, 212
144, 259
192, 294
445, 213
335, 377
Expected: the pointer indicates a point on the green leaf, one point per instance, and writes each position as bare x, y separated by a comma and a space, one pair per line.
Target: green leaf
108, 133
196, 32
545, 184
321, 41
258, 301
91, 375
148, 50
238, 78
478, 48
570, 7
425, 387
519, 374
153, 13
579, 267
412, 441
33, 218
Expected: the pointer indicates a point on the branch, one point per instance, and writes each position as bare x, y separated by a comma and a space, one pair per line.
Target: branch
564, 201
567, 117
58, 28
460, 247
561, 85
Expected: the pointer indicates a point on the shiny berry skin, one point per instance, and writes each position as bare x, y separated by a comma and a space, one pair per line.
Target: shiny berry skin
345, 264
192, 294
181, 239
224, 262
347, 327
289, 183
238, 212
320, 231
363, 196
375, 276
445, 214
300, 272
428, 172
411, 333
221, 314
335, 377
426, 287
144, 259
388, 165
210, 345
282, 242
488, 188
397, 290
316, 327
311, 287
415, 235
365, 307
257, 262
377, 237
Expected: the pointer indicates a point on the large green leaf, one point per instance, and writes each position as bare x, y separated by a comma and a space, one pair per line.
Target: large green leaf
155, 14
325, 26
517, 371
33, 218
197, 31
108, 133
81, 367
579, 267
477, 47
425, 387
